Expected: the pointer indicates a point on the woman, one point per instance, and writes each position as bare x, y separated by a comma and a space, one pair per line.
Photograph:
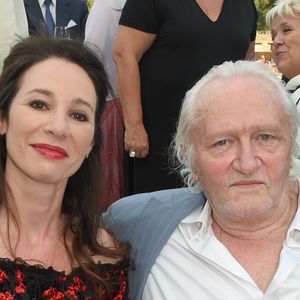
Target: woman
52, 93
100, 33
162, 48
284, 20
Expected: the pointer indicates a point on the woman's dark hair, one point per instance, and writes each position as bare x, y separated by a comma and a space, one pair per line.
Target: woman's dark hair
82, 199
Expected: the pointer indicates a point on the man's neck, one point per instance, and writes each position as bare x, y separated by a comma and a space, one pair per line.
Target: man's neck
258, 249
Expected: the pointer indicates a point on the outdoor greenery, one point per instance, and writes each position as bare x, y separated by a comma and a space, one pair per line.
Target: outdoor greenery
262, 7
89, 3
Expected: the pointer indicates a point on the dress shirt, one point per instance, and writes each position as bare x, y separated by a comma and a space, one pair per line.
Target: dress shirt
52, 9
195, 265
13, 25
293, 86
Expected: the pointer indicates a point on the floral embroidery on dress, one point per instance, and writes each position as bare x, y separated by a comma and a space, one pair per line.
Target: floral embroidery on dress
20, 281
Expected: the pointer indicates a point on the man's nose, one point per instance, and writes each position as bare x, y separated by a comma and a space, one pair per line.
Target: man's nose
246, 160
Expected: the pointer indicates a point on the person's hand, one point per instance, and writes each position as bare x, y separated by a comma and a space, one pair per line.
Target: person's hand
136, 140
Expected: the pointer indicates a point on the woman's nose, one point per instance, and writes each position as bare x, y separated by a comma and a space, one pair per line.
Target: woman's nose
57, 124
277, 40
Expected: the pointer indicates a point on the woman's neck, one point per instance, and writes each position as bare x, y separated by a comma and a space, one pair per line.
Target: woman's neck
36, 206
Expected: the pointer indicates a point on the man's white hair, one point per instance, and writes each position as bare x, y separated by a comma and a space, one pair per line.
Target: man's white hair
182, 147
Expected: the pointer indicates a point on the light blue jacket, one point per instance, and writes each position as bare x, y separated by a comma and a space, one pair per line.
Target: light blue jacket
147, 221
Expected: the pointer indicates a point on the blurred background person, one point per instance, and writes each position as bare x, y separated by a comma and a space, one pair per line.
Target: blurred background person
44, 15
52, 93
284, 21
162, 48
100, 33
13, 25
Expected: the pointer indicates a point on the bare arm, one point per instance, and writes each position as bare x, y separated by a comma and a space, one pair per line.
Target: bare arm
250, 55
129, 47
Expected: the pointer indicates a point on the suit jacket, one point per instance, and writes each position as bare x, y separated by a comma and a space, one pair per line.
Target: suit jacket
147, 221
66, 10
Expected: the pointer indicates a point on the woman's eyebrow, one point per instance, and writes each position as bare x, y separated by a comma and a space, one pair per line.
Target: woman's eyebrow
83, 102
41, 91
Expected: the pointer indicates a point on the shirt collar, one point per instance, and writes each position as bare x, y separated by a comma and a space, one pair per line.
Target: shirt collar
198, 222
293, 234
293, 83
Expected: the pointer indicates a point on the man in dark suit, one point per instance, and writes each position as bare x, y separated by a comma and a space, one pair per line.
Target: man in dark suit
70, 13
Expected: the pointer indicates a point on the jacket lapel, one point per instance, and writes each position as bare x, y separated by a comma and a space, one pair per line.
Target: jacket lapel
33, 8
62, 12
35, 17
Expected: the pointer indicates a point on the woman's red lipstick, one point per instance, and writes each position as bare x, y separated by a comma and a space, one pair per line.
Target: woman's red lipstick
50, 151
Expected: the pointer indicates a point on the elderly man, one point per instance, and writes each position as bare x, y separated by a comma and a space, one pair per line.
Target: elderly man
238, 235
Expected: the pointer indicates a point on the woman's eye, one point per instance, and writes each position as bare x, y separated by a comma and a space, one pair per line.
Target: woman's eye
287, 29
39, 105
79, 117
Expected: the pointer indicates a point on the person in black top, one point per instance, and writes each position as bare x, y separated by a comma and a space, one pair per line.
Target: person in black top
52, 93
162, 48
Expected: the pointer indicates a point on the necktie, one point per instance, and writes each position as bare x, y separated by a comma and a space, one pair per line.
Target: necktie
48, 18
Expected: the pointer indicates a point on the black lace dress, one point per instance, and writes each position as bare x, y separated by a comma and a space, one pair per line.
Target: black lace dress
20, 281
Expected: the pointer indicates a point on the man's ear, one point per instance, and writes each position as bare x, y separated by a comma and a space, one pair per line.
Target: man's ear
195, 176
3, 123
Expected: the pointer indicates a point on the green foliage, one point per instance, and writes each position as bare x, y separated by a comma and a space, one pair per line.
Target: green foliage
262, 7
89, 3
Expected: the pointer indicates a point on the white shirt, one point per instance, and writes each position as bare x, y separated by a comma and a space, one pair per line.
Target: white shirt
293, 86
194, 265
52, 9
13, 25
100, 32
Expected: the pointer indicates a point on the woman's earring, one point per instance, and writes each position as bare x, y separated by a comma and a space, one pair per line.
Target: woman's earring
87, 155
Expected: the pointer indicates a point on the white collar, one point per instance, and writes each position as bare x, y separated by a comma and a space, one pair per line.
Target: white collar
293, 83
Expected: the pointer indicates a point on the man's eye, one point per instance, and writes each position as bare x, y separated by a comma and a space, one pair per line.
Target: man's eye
39, 105
79, 116
221, 143
265, 137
